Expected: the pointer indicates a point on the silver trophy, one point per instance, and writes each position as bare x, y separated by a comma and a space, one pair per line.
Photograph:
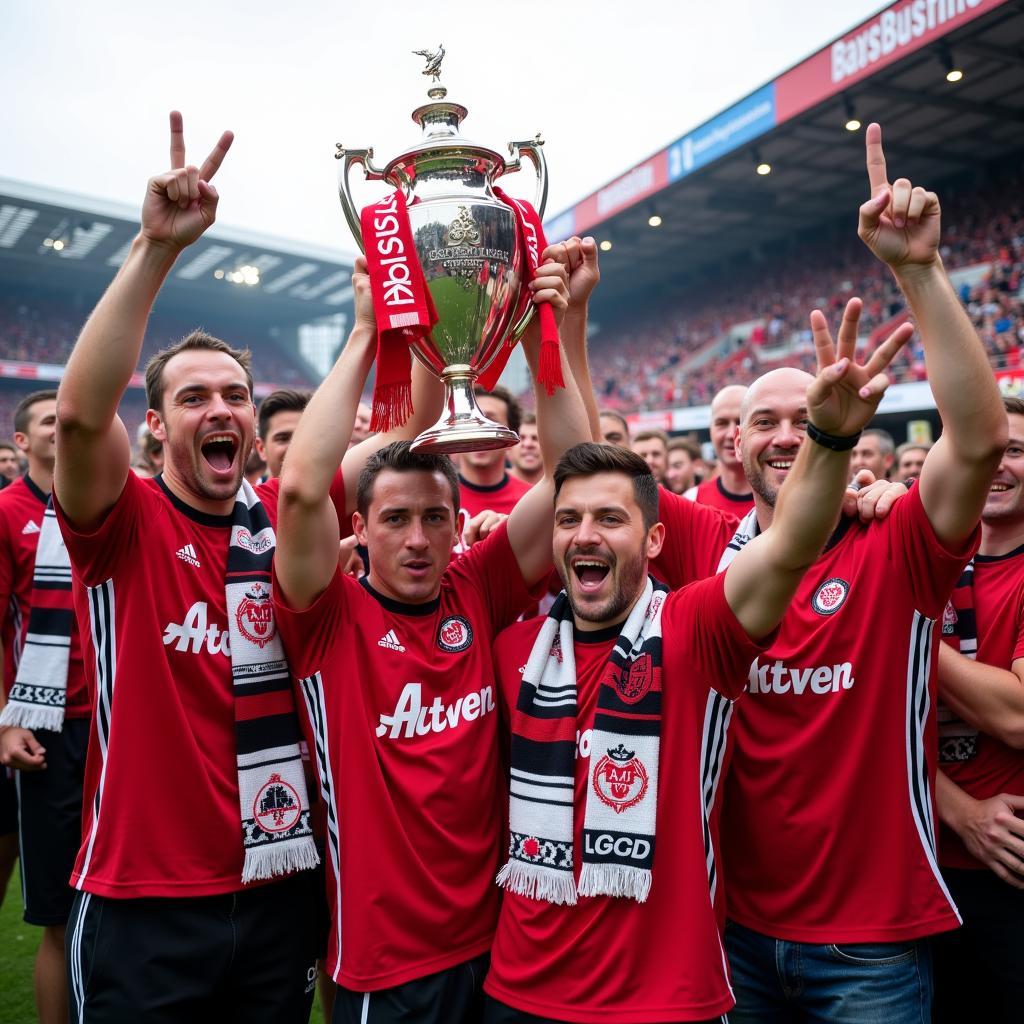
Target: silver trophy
468, 245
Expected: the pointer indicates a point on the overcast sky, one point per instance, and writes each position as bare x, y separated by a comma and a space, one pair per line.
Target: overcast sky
87, 87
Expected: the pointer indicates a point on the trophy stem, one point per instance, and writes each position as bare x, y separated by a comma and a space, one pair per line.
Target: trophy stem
462, 426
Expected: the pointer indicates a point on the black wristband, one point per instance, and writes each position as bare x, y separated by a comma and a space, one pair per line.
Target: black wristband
830, 441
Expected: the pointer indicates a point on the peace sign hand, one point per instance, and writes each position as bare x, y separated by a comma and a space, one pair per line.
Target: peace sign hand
181, 203
900, 222
844, 396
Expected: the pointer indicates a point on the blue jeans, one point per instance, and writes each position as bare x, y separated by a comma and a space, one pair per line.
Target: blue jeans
779, 982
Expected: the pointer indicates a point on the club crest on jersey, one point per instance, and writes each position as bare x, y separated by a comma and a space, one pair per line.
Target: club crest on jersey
455, 634
255, 615
830, 596
620, 779
634, 683
276, 807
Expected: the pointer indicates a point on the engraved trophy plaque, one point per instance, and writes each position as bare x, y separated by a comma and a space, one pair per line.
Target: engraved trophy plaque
468, 245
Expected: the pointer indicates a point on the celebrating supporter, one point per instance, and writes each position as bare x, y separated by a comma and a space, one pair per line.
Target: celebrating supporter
413, 845
484, 482
614, 428
981, 759
875, 451
44, 727
910, 458
527, 463
652, 447
729, 490
278, 415
679, 470
193, 901
618, 701
832, 775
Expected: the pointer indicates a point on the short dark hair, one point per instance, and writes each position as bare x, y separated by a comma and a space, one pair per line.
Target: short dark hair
886, 445
282, 400
589, 459
23, 410
515, 411
1013, 405
197, 340
685, 444
401, 459
10, 446
652, 435
527, 418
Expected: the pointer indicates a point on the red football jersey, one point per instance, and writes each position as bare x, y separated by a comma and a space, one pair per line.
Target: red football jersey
616, 960
828, 823
400, 707
22, 505
711, 492
501, 497
988, 767
160, 801
695, 537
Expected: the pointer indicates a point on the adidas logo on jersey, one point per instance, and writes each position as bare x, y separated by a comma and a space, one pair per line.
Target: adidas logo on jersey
778, 678
390, 641
410, 718
30, 527
188, 554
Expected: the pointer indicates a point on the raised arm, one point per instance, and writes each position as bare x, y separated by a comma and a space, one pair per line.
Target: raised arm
840, 402
561, 423
307, 522
584, 274
900, 225
93, 450
990, 698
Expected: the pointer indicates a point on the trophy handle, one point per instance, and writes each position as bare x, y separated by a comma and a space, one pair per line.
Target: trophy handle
531, 148
363, 157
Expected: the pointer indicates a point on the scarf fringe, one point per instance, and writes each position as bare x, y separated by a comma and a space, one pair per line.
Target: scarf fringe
30, 716
615, 880
537, 882
279, 859
392, 406
549, 370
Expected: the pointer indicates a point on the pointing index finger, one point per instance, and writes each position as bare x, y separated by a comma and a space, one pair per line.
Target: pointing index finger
877, 176
177, 140
212, 163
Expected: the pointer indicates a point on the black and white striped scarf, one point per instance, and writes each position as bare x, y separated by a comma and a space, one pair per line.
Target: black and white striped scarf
39, 692
745, 533
622, 792
958, 740
276, 831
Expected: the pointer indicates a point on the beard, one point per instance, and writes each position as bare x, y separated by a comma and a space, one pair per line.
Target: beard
627, 577
187, 464
758, 484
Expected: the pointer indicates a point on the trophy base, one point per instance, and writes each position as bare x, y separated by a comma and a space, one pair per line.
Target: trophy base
463, 427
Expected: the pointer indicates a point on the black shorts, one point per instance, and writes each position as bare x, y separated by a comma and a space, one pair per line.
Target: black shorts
452, 996
50, 803
245, 956
978, 968
500, 1013
8, 804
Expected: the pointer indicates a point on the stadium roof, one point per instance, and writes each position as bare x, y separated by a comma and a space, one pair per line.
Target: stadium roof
891, 68
58, 238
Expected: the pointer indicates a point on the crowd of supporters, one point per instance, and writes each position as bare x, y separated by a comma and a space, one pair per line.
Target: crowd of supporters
650, 363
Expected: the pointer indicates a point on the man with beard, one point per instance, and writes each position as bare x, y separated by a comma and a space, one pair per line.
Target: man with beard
196, 833
406, 746
833, 772
981, 756
728, 490
618, 702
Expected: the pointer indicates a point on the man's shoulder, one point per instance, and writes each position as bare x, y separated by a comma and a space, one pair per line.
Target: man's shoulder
519, 634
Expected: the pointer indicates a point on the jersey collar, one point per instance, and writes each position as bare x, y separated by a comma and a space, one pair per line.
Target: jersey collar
484, 488
36, 489
1000, 558
399, 607
197, 516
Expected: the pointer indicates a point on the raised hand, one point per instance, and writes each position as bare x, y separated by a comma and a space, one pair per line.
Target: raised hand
900, 222
181, 203
365, 316
579, 257
844, 396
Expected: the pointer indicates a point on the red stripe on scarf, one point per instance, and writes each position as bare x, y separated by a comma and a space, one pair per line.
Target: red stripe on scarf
544, 730
401, 303
531, 237
261, 705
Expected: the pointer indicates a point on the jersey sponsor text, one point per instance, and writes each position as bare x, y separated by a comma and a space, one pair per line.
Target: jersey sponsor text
196, 631
820, 679
410, 718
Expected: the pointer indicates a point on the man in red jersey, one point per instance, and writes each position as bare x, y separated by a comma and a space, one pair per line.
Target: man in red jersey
618, 702
196, 820
49, 761
828, 826
728, 490
981, 757
406, 746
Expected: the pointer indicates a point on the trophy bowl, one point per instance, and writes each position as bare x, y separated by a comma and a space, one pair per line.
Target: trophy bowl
473, 260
